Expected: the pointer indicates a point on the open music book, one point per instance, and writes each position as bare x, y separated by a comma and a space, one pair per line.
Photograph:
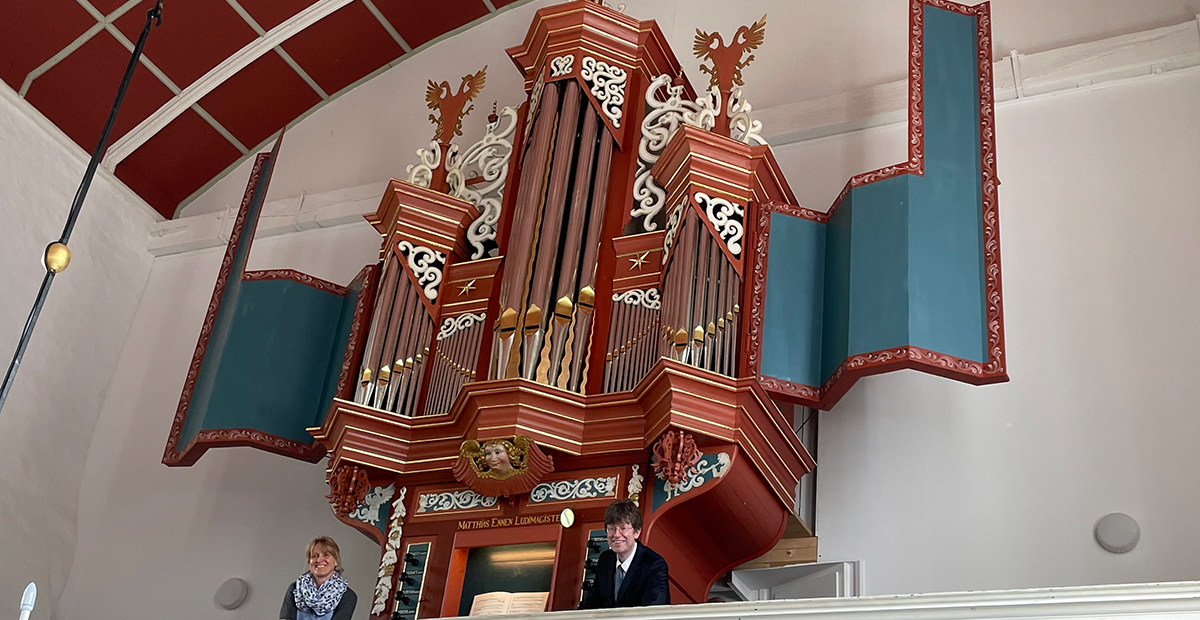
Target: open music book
504, 603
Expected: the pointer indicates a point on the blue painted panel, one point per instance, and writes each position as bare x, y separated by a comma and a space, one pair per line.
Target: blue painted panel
791, 347
272, 374
879, 264
341, 339
222, 323
835, 328
946, 278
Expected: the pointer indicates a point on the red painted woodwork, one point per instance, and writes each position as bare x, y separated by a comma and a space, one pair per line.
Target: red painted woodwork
716, 409
722, 524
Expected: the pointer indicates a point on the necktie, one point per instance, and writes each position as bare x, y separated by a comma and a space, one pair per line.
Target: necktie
620, 577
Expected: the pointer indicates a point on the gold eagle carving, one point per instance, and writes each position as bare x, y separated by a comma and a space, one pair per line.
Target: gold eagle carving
727, 63
450, 105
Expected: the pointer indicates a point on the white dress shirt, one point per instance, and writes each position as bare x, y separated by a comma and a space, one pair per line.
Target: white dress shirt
624, 565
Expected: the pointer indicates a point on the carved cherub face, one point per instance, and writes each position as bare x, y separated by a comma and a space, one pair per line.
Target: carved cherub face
497, 459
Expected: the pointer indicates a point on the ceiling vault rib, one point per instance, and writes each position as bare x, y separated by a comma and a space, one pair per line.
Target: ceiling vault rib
102, 22
301, 72
55, 59
174, 88
249, 19
246, 16
149, 64
191, 95
220, 129
363, 80
391, 30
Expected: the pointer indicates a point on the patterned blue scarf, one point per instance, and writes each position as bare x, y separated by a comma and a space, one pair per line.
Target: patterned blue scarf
319, 600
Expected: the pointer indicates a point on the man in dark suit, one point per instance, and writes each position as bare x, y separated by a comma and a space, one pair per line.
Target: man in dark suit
629, 574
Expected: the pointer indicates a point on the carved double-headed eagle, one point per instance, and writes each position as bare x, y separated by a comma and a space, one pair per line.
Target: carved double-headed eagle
727, 63
450, 104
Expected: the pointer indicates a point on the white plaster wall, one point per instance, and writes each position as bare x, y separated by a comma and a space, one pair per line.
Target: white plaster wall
156, 542
941, 486
47, 423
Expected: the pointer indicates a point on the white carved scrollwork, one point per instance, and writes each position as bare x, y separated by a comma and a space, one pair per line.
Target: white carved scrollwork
704, 111
535, 97
453, 325
607, 84
452, 500
726, 217
426, 264
562, 65
368, 510
634, 488
648, 299
673, 224
660, 123
387, 565
585, 488
488, 159
714, 465
422, 173
741, 127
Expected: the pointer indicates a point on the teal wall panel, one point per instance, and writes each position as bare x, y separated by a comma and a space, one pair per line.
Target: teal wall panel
879, 266
903, 257
273, 373
835, 327
793, 314
948, 312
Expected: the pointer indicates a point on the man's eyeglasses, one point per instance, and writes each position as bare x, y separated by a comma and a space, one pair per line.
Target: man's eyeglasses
627, 530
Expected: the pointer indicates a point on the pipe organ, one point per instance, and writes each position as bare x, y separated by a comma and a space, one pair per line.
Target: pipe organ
612, 294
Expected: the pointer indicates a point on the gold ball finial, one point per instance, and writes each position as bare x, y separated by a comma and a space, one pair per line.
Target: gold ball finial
57, 257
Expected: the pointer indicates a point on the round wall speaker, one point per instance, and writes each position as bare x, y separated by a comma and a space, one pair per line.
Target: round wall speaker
232, 593
1118, 532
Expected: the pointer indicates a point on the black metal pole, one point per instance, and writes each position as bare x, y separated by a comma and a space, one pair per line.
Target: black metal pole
57, 256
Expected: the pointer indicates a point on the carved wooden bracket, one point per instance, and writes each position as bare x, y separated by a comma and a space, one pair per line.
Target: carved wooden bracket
675, 456
348, 485
499, 467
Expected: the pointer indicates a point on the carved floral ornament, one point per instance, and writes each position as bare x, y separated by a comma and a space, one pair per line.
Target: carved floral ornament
348, 486
726, 218
675, 456
487, 162
454, 324
565, 490
562, 65
501, 467
607, 84
449, 501
387, 565
426, 264
649, 299
668, 109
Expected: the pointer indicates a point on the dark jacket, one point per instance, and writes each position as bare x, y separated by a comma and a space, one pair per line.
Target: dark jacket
644, 584
343, 611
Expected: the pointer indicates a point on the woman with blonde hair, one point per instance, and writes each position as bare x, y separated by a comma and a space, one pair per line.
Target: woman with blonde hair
321, 593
